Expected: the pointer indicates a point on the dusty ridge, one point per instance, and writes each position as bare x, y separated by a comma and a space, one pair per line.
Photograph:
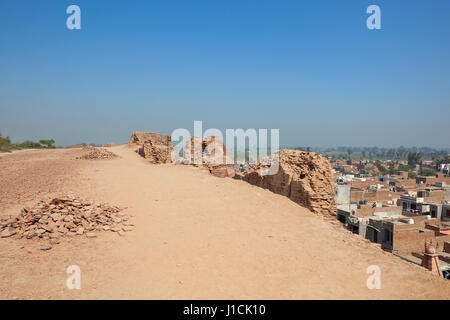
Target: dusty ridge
200, 237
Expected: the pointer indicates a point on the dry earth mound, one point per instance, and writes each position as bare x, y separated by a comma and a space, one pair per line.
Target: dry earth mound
64, 216
304, 177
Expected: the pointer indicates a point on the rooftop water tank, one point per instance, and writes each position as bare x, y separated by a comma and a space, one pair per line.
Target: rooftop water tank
410, 221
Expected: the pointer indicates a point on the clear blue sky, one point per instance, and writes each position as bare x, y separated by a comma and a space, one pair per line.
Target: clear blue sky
310, 68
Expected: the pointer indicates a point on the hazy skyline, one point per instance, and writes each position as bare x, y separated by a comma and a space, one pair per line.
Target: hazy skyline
311, 69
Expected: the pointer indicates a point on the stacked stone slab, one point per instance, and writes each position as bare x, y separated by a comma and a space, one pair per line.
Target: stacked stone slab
304, 177
155, 147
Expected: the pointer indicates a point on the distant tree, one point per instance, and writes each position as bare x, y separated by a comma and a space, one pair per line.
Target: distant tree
369, 171
428, 172
412, 175
414, 158
48, 143
444, 160
29, 144
404, 167
392, 170
5, 143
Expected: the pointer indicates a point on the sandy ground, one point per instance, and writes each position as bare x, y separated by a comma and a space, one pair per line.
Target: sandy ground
196, 237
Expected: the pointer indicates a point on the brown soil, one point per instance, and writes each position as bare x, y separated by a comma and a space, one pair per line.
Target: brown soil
26, 175
196, 237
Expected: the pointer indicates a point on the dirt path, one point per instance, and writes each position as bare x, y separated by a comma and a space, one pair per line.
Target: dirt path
4, 154
202, 237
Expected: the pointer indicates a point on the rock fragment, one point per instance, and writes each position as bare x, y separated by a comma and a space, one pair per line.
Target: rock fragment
8, 232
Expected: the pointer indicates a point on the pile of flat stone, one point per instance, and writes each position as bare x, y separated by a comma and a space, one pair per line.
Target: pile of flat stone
97, 154
65, 216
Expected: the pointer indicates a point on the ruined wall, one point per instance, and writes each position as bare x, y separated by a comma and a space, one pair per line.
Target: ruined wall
155, 147
139, 138
304, 177
156, 153
211, 153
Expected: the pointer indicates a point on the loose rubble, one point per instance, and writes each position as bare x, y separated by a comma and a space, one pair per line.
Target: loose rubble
97, 154
64, 216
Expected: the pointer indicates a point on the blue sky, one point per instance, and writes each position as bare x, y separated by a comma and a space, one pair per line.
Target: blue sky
310, 68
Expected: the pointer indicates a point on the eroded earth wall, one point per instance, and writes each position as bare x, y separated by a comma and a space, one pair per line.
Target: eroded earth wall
304, 177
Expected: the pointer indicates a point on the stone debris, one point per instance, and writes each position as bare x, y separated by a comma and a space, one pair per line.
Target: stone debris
64, 216
222, 171
8, 232
304, 177
97, 154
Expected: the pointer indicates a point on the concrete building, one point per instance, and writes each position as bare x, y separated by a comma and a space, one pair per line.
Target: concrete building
428, 201
445, 216
445, 168
407, 235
